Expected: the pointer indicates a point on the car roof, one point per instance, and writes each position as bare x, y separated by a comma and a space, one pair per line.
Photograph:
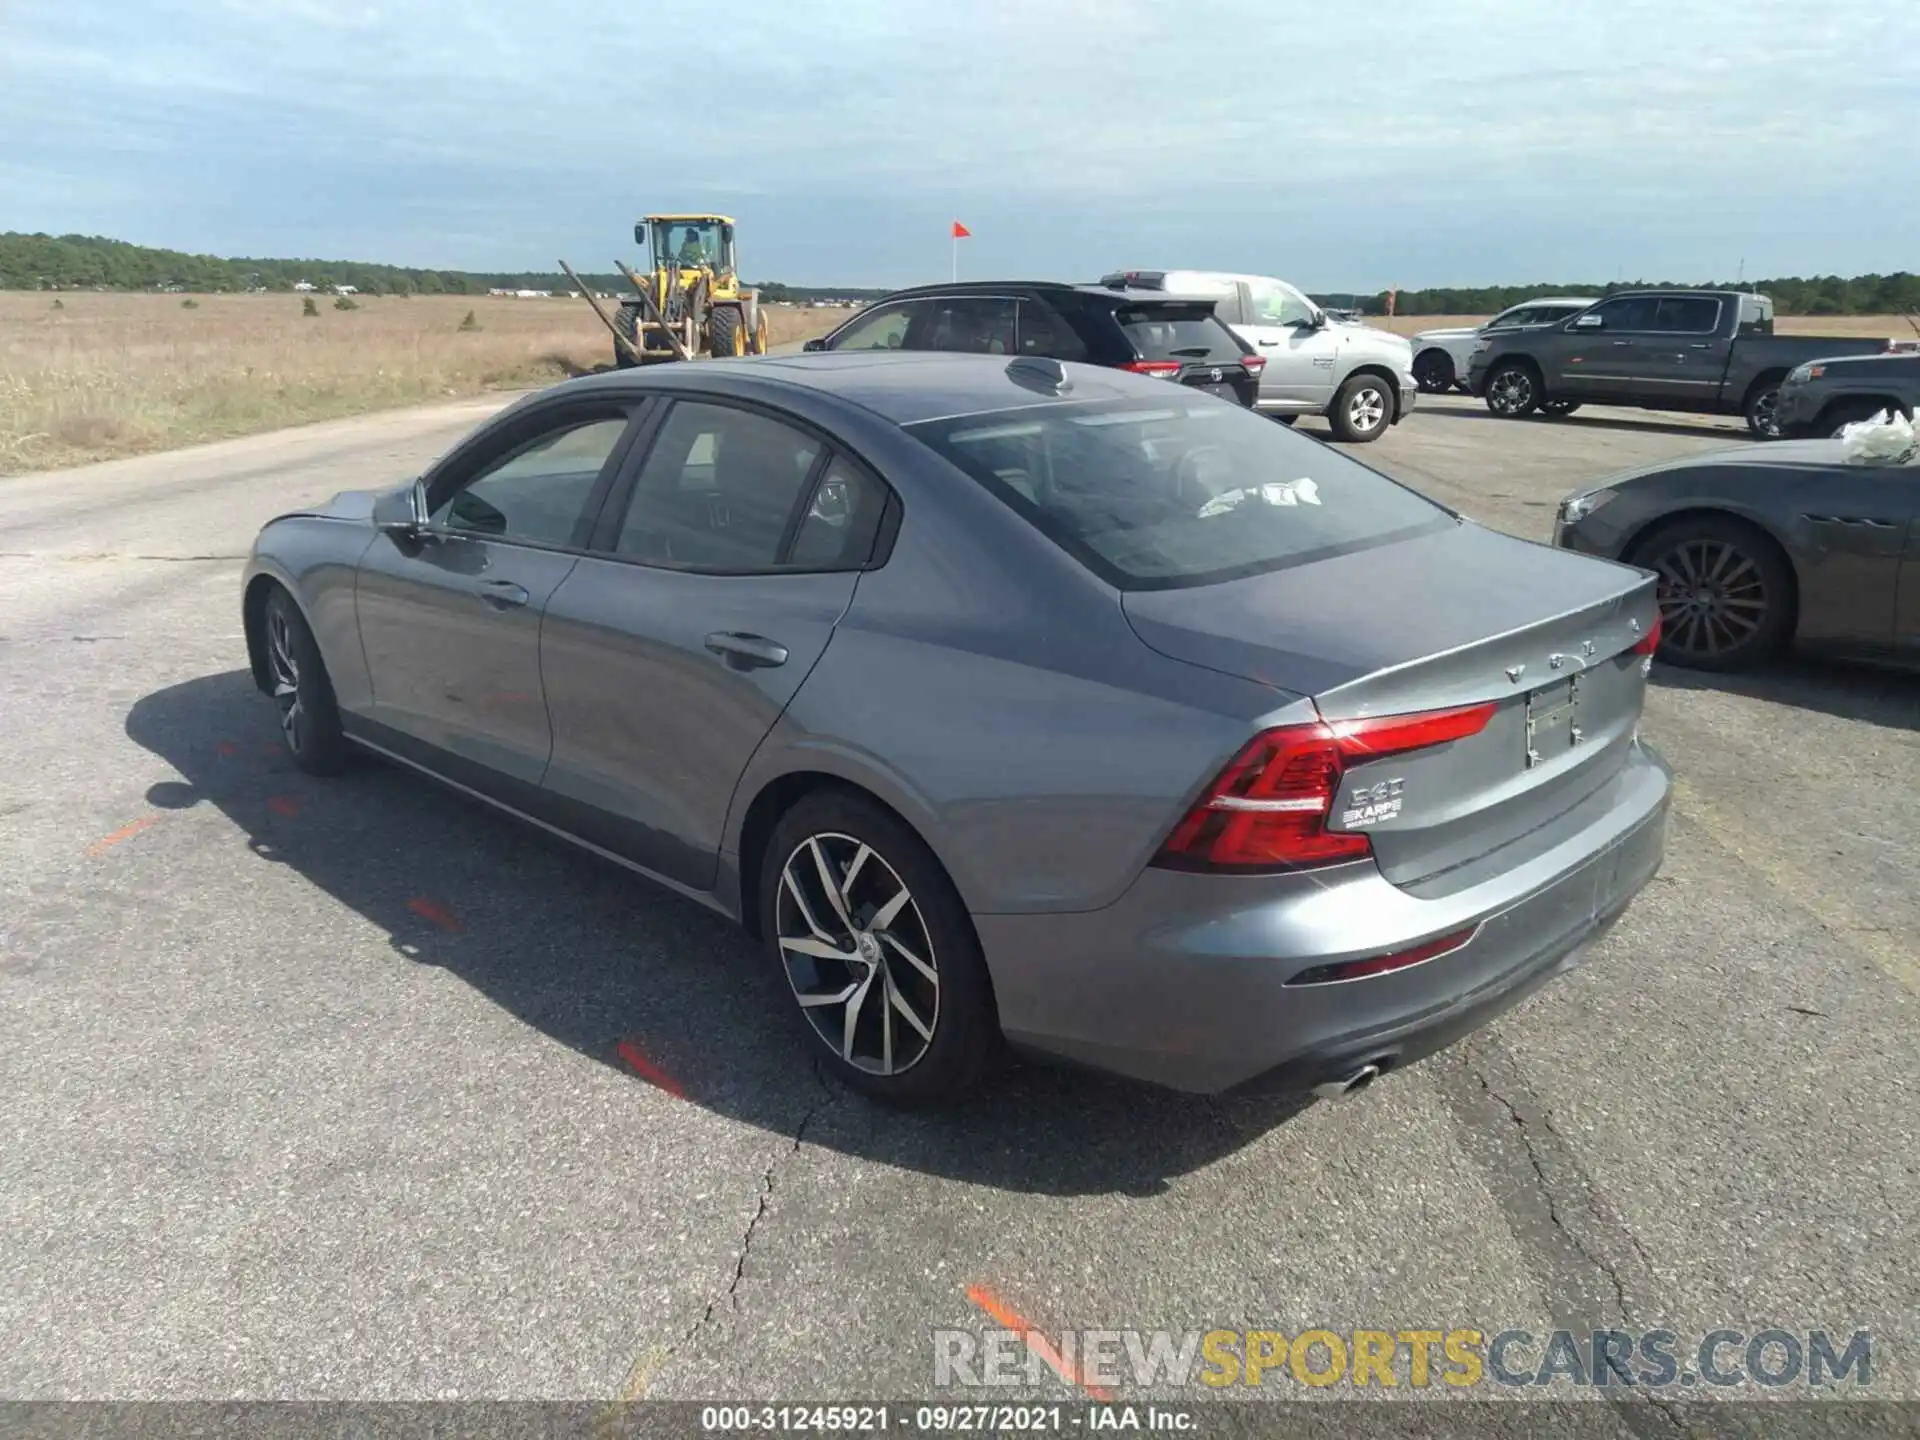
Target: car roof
1557, 300
902, 386
1043, 287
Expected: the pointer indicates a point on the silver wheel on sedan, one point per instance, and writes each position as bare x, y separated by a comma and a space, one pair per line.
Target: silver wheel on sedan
858, 954
285, 668
1713, 599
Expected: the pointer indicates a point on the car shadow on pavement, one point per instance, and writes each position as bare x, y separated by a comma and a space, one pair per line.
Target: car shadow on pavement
654, 985
1583, 421
1888, 698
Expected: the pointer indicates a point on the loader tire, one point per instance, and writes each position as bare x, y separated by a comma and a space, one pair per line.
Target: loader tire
627, 321
726, 336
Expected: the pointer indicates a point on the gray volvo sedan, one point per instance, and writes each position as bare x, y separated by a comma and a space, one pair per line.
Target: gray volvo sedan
1006, 703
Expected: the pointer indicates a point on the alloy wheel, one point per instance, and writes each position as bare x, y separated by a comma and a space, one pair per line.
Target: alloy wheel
1766, 414
1511, 392
1713, 598
286, 677
1366, 409
857, 953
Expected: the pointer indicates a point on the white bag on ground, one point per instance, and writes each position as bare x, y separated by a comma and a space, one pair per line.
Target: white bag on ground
1885, 439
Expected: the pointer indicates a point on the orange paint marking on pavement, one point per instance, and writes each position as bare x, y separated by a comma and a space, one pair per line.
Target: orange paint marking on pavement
1007, 1318
125, 832
648, 1071
433, 914
283, 805
273, 748
226, 749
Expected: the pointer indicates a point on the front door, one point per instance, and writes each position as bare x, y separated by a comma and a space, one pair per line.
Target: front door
1857, 573
670, 652
451, 622
1604, 358
1300, 351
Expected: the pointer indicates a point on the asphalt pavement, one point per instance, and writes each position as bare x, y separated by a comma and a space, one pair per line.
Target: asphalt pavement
350, 1088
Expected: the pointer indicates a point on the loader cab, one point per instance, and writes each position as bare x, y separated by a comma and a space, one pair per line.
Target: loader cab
688, 241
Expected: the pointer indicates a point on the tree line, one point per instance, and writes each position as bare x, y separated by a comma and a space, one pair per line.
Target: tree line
76, 262
87, 262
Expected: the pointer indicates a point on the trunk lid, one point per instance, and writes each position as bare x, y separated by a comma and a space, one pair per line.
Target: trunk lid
1462, 617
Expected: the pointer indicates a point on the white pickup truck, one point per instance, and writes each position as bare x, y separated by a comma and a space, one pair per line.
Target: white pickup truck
1360, 378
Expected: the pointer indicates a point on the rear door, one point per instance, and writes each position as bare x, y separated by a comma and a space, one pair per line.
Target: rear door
1682, 360
710, 591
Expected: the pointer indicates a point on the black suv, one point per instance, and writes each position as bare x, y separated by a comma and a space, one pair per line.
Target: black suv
1145, 331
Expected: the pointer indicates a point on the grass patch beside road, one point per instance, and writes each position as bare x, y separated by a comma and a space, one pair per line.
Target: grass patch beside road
97, 376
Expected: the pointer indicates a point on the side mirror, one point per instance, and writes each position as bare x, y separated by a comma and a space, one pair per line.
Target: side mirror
816, 344
640, 234
1590, 322
402, 514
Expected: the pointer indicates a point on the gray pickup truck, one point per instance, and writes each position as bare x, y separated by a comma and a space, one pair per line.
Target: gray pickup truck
1708, 352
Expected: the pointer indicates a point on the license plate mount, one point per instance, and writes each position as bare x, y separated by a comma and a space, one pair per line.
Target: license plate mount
1553, 721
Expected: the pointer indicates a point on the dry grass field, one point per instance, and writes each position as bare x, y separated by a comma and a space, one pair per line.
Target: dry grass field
106, 375
1851, 325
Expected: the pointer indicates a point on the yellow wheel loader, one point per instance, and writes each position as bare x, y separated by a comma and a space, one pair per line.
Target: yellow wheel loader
690, 302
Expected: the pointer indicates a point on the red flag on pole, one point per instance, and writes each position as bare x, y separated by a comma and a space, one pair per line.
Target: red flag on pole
961, 232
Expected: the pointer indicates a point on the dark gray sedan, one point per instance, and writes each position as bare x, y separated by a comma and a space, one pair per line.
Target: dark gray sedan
1005, 702
1759, 548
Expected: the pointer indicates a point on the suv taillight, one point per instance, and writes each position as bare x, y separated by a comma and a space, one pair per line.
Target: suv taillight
1649, 642
1161, 369
1269, 808
1254, 364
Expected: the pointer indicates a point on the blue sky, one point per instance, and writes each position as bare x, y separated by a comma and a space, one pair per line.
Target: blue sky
1353, 146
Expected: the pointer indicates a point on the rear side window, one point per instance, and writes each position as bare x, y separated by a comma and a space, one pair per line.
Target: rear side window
1179, 332
1154, 495
1686, 315
1045, 331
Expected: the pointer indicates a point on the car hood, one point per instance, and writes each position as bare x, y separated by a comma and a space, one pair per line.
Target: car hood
1778, 452
354, 505
1896, 363
1456, 332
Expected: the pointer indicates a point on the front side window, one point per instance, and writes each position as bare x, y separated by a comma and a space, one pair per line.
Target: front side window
1629, 312
539, 492
1152, 495
883, 328
1277, 303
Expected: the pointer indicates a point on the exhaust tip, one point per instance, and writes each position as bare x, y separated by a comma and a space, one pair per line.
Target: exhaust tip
1347, 1085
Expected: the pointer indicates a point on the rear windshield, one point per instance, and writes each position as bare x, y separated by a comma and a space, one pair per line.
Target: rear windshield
1186, 491
1179, 332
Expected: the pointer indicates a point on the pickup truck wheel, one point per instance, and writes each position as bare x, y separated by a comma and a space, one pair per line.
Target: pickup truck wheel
1557, 408
1362, 410
1433, 371
1763, 410
1725, 592
1512, 390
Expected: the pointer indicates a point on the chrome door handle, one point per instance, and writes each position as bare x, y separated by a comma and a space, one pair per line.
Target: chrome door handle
1623, 342
503, 594
1698, 345
1269, 343
749, 652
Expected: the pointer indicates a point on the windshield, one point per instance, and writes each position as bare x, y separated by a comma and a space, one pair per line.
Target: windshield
1150, 495
688, 242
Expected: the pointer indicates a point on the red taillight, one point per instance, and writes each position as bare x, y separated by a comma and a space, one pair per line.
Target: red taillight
1269, 808
1649, 642
1160, 369
1254, 364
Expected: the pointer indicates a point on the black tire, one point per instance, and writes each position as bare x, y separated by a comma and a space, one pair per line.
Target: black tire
1433, 371
627, 321
301, 689
1513, 390
934, 927
1849, 412
1763, 409
726, 334
1740, 613
1554, 409
1362, 411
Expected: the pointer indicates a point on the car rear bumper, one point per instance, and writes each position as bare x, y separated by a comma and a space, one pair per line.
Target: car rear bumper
1183, 982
